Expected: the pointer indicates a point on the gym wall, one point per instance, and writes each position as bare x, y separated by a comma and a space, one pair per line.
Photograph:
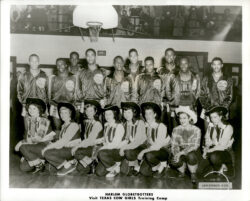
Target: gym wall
50, 47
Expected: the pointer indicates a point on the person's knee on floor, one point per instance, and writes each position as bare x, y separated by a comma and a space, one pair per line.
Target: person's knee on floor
215, 160
146, 169
191, 158
100, 170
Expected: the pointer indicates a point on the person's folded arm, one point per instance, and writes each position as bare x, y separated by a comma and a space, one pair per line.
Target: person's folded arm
140, 136
225, 140
91, 140
68, 135
119, 133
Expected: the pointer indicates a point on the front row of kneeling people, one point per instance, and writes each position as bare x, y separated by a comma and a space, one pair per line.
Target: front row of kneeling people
130, 147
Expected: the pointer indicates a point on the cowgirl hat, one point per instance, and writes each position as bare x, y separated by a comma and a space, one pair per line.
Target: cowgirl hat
188, 111
132, 105
213, 109
68, 106
36, 101
94, 103
111, 107
155, 107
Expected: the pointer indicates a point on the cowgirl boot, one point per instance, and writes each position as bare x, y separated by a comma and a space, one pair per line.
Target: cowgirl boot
192, 169
114, 170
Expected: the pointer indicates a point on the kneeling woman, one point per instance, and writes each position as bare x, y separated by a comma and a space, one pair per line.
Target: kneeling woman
93, 130
156, 154
38, 136
135, 137
108, 155
219, 140
58, 154
186, 140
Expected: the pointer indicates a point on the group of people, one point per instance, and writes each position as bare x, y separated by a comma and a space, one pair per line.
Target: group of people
136, 120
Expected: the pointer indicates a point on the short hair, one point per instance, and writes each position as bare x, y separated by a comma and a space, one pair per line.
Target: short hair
132, 50
39, 107
90, 50
61, 59
135, 113
217, 59
149, 59
118, 57
116, 115
170, 49
76, 53
96, 111
184, 57
148, 107
34, 55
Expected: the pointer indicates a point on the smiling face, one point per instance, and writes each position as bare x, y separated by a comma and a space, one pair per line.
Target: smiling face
118, 64
184, 119
33, 111
74, 59
216, 66
90, 111
150, 115
128, 114
149, 65
109, 115
215, 118
184, 65
170, 57
61, 66
90, 57
65, 114
133, 57
34, 62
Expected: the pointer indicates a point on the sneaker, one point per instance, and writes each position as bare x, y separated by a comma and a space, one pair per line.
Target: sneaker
64, 171
111, 174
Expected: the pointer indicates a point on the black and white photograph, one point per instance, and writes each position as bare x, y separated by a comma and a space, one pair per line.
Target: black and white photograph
124, 98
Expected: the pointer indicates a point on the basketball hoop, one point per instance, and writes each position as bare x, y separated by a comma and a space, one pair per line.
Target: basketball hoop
95, 18
94, 30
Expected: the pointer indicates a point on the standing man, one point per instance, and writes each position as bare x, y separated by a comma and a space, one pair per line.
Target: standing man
134, 67
216, 89
167, 74
91, 80
148, 85
187, 87
74, 67
118, 86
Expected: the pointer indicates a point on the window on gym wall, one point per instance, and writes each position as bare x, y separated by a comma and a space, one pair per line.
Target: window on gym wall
220, 23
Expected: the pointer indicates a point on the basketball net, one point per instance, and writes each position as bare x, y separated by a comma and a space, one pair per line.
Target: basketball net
94, 30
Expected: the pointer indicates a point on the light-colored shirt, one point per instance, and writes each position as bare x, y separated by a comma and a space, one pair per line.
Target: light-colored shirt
157, 136
69, 135
113, 135
135, 134
222, 140
185, 139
